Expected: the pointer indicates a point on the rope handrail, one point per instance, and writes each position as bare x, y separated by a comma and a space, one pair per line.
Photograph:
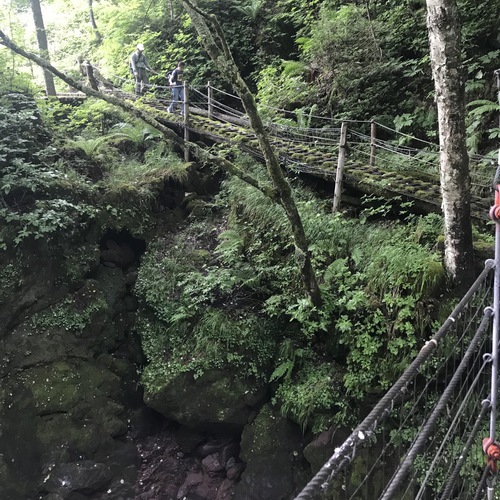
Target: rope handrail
383, 407
236, 97
406, 135
394, 156
378, 142
450, 483
426, 430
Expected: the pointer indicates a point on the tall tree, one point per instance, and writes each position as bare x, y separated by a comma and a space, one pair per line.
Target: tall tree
96, 31
445, 40
43, 45
215, 43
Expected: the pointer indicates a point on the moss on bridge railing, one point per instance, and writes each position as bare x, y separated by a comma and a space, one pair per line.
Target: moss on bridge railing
320, 160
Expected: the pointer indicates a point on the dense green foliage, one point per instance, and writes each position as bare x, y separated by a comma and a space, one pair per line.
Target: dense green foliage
343, 59
52, 185
225, 293
223, 290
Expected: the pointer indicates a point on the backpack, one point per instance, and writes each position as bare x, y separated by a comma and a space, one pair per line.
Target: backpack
139, 58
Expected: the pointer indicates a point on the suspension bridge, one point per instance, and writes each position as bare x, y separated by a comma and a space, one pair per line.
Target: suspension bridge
433, 434
424, 438
378, 159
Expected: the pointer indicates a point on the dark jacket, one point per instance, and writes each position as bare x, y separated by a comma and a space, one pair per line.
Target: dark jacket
177, 77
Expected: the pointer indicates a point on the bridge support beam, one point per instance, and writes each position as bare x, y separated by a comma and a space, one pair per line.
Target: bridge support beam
373, 133
340, 168
185, 112
210, 96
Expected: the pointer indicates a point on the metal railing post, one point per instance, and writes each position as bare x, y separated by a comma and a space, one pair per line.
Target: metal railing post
495, 216
489, 442
210, 96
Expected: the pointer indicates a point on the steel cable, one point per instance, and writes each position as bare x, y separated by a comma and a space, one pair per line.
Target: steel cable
424, 433
383, 407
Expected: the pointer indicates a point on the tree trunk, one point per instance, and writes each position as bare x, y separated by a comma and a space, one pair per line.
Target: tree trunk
444, 39
97, 33
41, 37
214, 41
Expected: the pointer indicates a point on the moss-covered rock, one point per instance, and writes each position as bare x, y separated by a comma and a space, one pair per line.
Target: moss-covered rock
59, 404
55, 413
272, 447
27, 283
85, 477
217, 399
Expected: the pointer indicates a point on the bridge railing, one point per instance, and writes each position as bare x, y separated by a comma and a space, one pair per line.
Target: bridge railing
368, 142
420, 440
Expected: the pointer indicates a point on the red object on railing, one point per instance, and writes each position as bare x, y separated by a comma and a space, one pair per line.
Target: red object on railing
495, 209
492, 450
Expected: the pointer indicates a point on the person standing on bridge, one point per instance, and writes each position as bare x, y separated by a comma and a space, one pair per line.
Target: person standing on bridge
139, 66
177, 83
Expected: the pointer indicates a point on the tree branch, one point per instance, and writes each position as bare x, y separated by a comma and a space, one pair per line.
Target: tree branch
128, 106
221, 55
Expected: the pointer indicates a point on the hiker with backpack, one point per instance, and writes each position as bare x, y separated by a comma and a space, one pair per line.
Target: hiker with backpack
139, 67
177, 83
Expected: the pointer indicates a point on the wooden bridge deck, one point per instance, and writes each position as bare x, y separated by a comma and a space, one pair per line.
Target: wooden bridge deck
421, 188
319, 160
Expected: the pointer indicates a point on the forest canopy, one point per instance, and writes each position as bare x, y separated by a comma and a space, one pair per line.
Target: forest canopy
344, 59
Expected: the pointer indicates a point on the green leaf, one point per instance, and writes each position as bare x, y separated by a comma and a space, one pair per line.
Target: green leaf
282, 370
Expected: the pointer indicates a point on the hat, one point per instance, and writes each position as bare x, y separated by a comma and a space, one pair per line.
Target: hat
140, 46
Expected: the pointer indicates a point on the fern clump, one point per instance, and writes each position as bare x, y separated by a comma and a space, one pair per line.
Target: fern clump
313, 397
201, 318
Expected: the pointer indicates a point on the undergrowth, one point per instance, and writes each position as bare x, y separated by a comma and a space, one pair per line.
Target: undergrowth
235, 273
53, 187
224, 292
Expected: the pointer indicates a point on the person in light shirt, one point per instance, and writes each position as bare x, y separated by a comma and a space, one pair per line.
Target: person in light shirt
139, 66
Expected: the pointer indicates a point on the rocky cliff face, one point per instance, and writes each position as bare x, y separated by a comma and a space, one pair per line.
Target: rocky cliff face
73, 420
69, 377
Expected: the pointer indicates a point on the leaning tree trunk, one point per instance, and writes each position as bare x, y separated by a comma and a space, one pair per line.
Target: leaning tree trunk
214, 41
41, 36
444, 39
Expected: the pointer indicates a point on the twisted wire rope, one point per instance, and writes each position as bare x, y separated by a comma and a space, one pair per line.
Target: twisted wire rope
331, 467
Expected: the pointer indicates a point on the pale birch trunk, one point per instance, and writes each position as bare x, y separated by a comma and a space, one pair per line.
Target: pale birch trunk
444, 39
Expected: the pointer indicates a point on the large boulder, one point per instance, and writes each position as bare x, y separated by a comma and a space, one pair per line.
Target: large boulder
275, 469
322, 447
27, 284
54, 414
86, 477
216, 400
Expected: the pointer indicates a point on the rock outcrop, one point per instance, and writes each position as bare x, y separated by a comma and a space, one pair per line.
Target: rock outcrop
68, 372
